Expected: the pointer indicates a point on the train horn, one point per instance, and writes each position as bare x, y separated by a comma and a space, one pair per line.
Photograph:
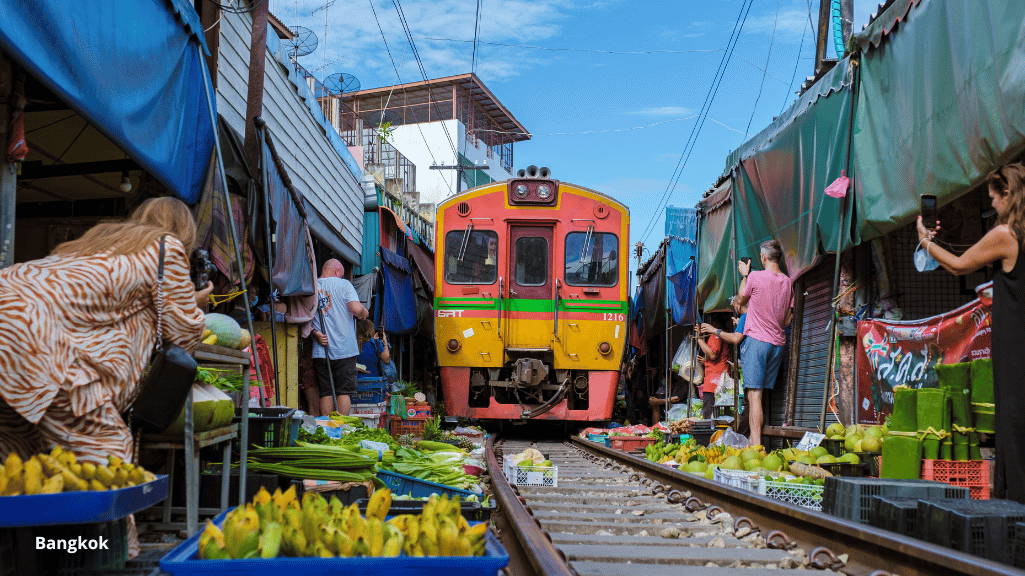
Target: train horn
544, 172
532, 171
521, 173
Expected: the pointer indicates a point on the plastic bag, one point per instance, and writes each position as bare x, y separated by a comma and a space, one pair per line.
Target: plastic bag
731, 439
677, 412
838, 189
687, 360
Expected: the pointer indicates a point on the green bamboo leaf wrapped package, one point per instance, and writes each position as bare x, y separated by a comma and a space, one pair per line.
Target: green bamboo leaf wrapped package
932, 415
955, 378
902, 456
905, 410
983, 402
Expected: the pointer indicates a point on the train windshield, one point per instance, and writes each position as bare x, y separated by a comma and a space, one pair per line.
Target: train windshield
479, 262
592, 259
531, 261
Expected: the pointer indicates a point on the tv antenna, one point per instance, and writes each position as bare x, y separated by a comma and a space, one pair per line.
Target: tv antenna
341, 83
304, 41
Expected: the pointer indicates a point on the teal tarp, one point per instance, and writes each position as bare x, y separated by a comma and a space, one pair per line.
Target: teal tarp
941, 103
716, 282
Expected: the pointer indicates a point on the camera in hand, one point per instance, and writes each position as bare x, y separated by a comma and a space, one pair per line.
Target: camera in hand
201, 269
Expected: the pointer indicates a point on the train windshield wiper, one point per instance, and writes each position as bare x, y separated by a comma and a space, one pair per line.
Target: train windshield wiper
464, 242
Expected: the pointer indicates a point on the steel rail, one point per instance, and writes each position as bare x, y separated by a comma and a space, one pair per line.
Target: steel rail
537, 545
871, 551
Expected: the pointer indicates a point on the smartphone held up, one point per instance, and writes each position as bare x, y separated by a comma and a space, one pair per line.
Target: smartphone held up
929, 211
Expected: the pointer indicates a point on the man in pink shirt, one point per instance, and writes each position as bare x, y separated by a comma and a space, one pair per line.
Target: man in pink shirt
768, 295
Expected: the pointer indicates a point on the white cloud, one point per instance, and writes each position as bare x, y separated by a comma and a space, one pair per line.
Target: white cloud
351, 31
663, 111
789, 26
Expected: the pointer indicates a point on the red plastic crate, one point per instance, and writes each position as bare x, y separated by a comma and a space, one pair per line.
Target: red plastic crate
414, 426
629, 443
971, 474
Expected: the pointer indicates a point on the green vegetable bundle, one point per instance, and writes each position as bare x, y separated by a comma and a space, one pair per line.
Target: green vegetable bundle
312, 462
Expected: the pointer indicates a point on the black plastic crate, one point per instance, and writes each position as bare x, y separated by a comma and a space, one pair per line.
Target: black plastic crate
835, 446
844, 468
269, 428
871, 460
1018, 546
472, 511
19, 556
895, 514
984, 528
210, 486
851, 497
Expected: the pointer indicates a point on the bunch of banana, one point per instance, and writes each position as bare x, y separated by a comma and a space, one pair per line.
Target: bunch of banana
60, 471
440, 530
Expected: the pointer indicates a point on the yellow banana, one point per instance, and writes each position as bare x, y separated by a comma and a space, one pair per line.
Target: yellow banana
13, 466
448, 534
33, 476
70, 481
392, 548
427, 546
104, 476
321, 551
462, 524
88, 470
375, 536
51, 467
293, 542
55, 485
270, 540
417, 551
95, 485
477, 531
379, 504
462, 547
3, 482
344, 546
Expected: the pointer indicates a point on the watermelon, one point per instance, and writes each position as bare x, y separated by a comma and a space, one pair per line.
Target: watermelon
227, 330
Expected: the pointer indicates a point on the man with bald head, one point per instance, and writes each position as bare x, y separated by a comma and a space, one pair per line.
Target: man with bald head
334, 345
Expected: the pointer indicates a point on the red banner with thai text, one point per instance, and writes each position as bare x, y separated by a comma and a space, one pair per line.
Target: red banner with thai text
892, 353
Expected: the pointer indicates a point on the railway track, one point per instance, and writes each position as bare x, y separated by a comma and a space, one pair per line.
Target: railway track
615, 513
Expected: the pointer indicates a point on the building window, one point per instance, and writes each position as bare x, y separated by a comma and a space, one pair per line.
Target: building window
592, 259
479, 262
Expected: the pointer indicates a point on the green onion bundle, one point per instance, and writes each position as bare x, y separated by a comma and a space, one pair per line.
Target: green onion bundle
312, 462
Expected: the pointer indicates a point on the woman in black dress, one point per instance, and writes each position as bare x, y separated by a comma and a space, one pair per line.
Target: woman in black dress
1003, 244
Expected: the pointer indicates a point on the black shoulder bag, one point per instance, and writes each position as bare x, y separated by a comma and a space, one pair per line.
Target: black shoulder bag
166, 383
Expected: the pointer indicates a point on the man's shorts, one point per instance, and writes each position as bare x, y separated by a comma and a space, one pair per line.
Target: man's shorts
344, 371
760, 362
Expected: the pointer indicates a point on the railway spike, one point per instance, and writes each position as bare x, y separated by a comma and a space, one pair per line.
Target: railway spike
713, 511
778, 540
744, 520
674, 496
693, 504
834, 562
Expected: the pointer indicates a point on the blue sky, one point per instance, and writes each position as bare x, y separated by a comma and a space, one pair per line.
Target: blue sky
612, 121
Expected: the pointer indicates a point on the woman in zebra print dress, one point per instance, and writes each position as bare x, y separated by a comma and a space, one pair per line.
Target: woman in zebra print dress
77, 329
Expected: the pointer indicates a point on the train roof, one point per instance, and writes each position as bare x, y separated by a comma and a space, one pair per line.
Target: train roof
451, 199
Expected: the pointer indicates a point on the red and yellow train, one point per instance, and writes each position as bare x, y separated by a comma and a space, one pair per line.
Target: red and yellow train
531, 300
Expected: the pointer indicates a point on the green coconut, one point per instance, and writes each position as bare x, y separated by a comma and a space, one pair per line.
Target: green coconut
211, 408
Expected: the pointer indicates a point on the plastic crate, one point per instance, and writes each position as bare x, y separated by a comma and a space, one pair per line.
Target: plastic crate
804, 495
872, 460
89, 507
844, 468
630, 443
370, 390
18, 553
270, 428
1018, 546
472, 511
835, 446
417, 488
738, 479
544, 476
702, 436
971, 474
599, 438
354, 493
895, 514
982, 528
851, 498
184, 561
414, 426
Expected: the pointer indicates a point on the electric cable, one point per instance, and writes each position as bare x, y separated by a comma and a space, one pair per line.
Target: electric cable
772, 40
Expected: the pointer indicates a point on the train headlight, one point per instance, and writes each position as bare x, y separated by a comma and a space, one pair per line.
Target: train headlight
521, 190
605, 348
453, 345
543, 191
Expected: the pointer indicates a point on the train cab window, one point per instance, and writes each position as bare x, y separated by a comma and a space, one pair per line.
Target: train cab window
592, 259
531, 261
479, 262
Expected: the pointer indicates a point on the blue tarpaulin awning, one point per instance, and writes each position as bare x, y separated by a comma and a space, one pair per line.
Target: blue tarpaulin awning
133, 69
682, 230
396, 312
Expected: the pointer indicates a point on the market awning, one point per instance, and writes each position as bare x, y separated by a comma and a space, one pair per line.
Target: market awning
293, 273
682, 230
424, 261
396, 311
329, 235
716, 271
133, 68
939, 105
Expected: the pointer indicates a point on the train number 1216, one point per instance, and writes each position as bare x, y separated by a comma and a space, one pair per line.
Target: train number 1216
614, 317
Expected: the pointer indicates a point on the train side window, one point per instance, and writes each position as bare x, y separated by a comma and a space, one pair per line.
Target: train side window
531, 261
479, 264
592, 259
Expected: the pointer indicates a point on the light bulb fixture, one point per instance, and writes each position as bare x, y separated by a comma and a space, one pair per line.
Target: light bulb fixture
126, 184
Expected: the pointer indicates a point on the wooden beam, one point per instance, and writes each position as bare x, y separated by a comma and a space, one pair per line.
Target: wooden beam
257, 74
37, 170
796, 328
8, 170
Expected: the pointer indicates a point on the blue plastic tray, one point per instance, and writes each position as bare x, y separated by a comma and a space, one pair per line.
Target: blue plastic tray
184, 561
370, 390
415, 487
87, 507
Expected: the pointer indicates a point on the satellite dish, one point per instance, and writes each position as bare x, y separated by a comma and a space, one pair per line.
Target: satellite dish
342, 83
303, 41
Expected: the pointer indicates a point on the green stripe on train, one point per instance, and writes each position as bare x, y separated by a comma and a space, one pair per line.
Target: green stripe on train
528, 305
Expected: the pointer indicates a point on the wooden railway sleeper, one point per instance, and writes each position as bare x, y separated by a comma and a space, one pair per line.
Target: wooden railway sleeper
833, 564
778, 540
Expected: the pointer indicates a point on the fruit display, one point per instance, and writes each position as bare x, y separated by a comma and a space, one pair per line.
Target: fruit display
224, 330
59, 471
857, 438
279, 524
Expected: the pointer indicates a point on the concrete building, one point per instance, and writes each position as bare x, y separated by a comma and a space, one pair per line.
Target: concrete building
446, 121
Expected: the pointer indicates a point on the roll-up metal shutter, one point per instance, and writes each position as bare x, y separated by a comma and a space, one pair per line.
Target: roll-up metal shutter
813, 354
777, 402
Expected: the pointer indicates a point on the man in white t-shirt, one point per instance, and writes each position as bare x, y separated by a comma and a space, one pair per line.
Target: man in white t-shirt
334, 345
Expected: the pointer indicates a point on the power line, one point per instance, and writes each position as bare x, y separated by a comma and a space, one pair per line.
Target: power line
552, 49
399, 78
772, 40
796, 65
688, 148
473, 70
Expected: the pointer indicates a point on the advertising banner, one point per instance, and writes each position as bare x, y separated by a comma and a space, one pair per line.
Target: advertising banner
893, 353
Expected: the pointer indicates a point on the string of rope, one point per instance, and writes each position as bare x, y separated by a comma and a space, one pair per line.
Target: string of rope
218, 299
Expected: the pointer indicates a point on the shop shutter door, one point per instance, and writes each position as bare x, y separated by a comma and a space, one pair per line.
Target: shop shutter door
813, 354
